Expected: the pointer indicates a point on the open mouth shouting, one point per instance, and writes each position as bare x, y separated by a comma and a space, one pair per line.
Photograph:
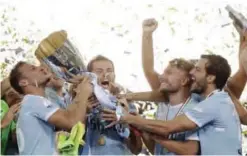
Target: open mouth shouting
105, 84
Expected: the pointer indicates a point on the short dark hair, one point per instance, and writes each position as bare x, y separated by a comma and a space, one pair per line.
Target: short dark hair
98, 58
218, 66
15, 76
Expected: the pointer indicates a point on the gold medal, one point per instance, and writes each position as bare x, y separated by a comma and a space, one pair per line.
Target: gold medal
101, 140
164, 151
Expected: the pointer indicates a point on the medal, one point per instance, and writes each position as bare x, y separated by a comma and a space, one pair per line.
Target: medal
164, 151
101, 140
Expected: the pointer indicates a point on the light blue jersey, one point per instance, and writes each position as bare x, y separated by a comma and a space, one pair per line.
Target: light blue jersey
219, 125
173, 110
35, 136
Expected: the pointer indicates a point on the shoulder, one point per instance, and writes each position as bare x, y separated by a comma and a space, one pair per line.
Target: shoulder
194, 101
196, 97
214, 100
34, 100
219, 97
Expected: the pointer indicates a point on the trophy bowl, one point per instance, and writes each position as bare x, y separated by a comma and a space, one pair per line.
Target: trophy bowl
63, 58
60, 55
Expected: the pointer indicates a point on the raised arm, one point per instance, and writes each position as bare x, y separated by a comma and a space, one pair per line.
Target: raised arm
9, 116
152, 77
237, 83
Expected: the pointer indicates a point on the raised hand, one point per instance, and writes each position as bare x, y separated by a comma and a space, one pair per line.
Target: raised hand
149, 25
10, 115
13, 110
109, 115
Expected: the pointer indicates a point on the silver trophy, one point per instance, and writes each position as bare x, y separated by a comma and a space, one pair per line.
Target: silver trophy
63, 58
60, 55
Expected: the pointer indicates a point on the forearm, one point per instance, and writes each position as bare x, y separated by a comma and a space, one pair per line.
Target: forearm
77, 110
5, 122
148, 61
181, 148
149, 143
147, 52
153, 126
154, 96
163, 128
134, 143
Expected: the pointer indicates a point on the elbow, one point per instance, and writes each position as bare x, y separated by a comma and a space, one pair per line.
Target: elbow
69, 125
137, 151
71, 122
135, 144
192, 148
243, 119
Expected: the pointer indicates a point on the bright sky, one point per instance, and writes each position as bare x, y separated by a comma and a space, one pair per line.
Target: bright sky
90, 24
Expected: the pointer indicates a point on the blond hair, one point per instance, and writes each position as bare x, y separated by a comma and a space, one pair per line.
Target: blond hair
182, 64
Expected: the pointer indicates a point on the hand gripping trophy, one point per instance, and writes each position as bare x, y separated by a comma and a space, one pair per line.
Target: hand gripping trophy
63, 58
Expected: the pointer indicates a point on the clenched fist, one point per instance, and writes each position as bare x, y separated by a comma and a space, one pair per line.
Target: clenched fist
149, 25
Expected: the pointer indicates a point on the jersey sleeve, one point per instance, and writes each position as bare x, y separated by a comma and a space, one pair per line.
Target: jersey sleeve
204, 112
41, 107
